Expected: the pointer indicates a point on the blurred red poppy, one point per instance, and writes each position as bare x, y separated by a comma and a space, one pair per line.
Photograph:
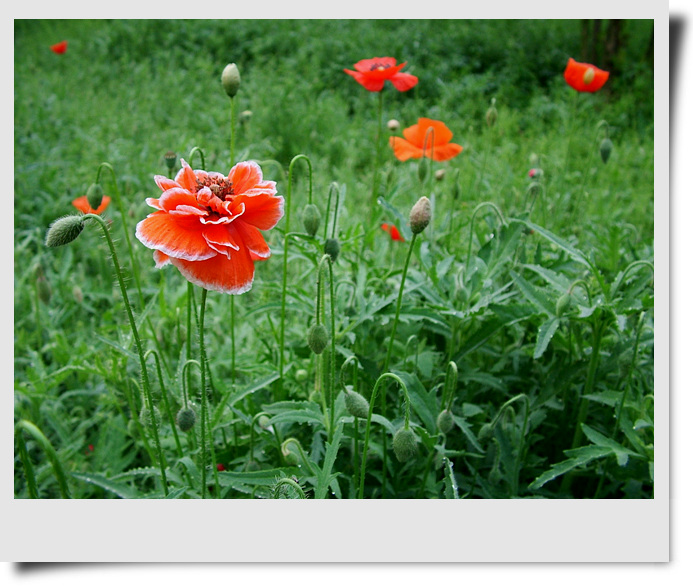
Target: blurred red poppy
82, 204
391, 229
428, 138
584, 77
59, 48
220, 467
373, 73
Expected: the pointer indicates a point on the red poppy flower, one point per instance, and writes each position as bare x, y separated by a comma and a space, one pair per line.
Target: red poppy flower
82, 204
220, 467
391, 229
437, 145
59, 48
208, 225
584, 77
373, 73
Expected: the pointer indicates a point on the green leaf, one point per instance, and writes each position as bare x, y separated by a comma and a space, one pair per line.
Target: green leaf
534, 295
599, 439
298, 412
450, 481
422, 402
230, 398
579, 457
118, 489
544, 335
559, 242
325, 475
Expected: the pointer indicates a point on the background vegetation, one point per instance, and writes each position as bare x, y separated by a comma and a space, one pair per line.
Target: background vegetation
482, 289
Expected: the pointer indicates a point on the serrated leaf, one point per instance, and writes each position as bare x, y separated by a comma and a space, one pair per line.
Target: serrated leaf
544, 336
422, 402
559, 242
325, 476
579, 457
534, 295
450, 481
117, 489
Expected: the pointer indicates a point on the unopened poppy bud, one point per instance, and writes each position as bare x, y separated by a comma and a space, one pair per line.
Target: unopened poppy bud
185, 419
420, 215
404, 444
356, 404
301, 375
486, 431
393, 125
562, 303
245, 116
332, 248
231, 79
264, 422
170, 159
534, 160
311, 219
589, 76
605, 149
43, 288
64, 230
492, 114
317, 338
536, 172
291, 451
95, 195
422, 170
440, 174
445, 421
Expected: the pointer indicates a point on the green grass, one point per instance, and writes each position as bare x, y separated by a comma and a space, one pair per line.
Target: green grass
547, 317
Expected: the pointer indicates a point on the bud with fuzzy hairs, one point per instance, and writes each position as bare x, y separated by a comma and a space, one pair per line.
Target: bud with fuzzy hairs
404, 444
393, 125
170, 159
605, 149
311, 219
185, 419
420, 215
95, 195
231, 79
332, 248
317, 338
356, 404
445, 421
64, 230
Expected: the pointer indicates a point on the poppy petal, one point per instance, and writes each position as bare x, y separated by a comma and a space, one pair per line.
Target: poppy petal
445, 152
263, 211
165, 183
186, 177
219, 238
229, 276
82, 204
404, 81
404, 149
251, 238
370, 83
366, 65
177, 237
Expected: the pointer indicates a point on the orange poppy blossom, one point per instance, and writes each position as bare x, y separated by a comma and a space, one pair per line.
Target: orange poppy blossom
82, 204
584, 77
373, 73
391, 229
59, 48
208, 225
437, 146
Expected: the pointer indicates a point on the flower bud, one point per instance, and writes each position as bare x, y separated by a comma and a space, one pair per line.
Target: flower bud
77, 294
486, 431
440, 174
492, 114
291, 451
95, 195
356, 404
43, 288
231, 79
393, 125
317, 338
422, 169
589, 76
301, 375
420, 215
170, 159
536, 172
185, 419
332, 248
445, 421
605, 149
311, 219
245, 116
64, 230
149, 418
264, 422
404, 444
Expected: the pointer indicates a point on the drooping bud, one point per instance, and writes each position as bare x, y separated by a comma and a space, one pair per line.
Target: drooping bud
492, 114
185, 419
291, 451
393, 125
95, 195
170, 159
445, 421
301, 375
356, 404
420, 215
64, 230
486, 431
589, 76
404, 444
264, 422
311, 219
231, 79
317, 338
332, 248
422, 170
605, 149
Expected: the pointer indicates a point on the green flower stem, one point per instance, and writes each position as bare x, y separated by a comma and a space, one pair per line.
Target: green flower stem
200, 152
450, 385
334, 187
138, 343
287, 229
368, 422
203, 406
44, 443
164, 396
496, 209
327, 260
629, 377
632, 265
233, 131
232, 300
28, 468
378, 158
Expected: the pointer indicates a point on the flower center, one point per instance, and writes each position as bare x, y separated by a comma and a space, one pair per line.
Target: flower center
378, 67
221, 188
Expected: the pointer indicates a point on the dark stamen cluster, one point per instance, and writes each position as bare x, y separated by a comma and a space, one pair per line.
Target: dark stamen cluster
377, 66
220, 188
